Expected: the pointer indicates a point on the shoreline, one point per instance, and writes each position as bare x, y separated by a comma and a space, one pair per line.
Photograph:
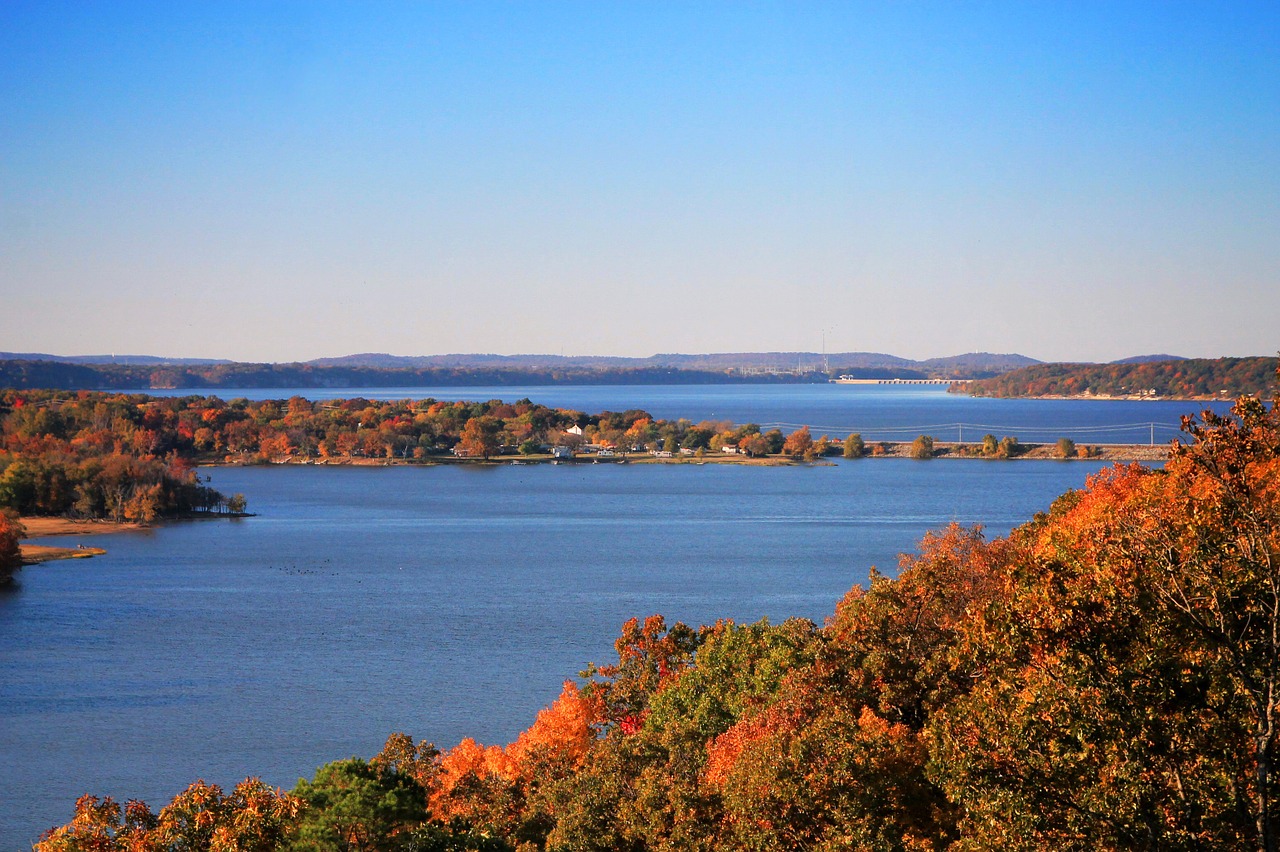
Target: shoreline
47, 527
44, 526
874, 450
1104, 397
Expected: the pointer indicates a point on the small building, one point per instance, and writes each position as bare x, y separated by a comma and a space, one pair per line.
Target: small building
561, 452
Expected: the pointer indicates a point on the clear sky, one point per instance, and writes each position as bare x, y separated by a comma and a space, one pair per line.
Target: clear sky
284, 181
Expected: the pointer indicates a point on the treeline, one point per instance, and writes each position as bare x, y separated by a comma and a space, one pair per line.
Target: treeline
96, 456
1201, 378
208, 428
132, 457
52, 374
1102, 678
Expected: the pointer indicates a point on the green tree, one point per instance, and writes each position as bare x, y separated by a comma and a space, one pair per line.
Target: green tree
854, 447
774, 441
353, 806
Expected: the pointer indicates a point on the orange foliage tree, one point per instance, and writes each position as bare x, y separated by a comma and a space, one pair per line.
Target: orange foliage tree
11, 530
253, 818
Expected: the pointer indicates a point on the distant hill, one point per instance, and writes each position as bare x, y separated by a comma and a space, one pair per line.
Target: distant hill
975, 362
994, 374
1147, 359
134, 360
957, 366
383, 361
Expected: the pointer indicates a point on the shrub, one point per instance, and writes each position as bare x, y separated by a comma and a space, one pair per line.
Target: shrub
1009, 447
922, 447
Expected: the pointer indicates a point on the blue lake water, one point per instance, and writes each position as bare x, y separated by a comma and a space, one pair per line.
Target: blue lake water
439, 601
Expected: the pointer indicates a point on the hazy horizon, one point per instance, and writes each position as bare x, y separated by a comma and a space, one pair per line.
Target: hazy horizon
604, 355
286, 182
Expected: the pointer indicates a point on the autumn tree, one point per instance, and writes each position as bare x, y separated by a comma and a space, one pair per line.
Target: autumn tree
480, 791
922, 447
252, 818
854, 447
838, 757
1127, 682
480, 437
799, 444
754, 446
100, 825
11, 530
1009, 447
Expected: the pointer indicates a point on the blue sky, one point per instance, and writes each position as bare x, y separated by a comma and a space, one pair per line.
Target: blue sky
280, 181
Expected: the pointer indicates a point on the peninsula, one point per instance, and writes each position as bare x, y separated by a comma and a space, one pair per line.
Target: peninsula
1183, 378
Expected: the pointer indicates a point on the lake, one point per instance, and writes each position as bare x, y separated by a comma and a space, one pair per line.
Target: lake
444, 601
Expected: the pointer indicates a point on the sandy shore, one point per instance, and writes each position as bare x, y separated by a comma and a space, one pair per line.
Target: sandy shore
33, 554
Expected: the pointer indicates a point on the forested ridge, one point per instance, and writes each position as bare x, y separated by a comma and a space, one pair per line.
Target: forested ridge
1189, 378
1105, 677
53, 374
